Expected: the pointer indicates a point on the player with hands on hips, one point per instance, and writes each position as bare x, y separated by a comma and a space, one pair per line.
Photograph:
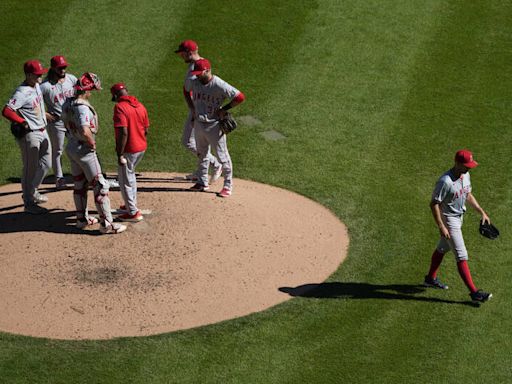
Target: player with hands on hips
131, 125
81, 121
26, 112
189, 52
56, 88
209, 93
448, 205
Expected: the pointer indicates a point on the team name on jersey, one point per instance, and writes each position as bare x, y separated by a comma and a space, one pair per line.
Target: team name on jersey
207, 98
461, 192
37, 101
61, 97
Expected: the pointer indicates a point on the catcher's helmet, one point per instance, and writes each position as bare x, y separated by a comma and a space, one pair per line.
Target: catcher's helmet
88, 82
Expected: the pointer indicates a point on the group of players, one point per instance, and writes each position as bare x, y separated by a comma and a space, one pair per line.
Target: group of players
69, 113
59, 106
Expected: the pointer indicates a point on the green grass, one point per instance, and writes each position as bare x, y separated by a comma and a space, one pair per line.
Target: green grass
374, 98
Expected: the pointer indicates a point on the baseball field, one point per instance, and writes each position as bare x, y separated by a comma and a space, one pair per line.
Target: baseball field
370, 101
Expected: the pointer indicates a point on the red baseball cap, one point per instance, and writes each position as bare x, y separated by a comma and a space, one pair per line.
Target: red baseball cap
88, 82
58, 62
35, 67
116, 88
187, 46
200, 66
465, 157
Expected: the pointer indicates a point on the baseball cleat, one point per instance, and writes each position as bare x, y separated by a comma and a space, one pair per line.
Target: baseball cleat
60, 183
112, 183
39, 199
192, 177
112, 229
198, 187
226, 192
217, 173
480, 296
82, 223
132, 218
434, 283
34, 209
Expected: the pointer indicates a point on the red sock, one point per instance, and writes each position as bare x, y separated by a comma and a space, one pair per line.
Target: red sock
437, 258
463, 268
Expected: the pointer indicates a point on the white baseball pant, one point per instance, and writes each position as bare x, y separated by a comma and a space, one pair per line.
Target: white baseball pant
456, 241
36, 155
86, 170
212, 137
57, 135
128, 180
189, 142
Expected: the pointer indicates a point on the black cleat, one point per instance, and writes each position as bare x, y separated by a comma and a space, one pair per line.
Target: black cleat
480, 296
434, 283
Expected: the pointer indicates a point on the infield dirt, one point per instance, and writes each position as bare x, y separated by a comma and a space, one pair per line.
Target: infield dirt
196, 259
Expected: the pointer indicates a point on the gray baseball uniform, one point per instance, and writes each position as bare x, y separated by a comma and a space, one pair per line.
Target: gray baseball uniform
451, 194
77, 115
188, 139
207, 99
55, 94
35, 145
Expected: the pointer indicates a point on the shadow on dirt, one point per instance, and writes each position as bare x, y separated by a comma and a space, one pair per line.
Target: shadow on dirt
54, 221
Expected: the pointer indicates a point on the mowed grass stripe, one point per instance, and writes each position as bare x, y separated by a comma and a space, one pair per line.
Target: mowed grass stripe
322, 340
453, 99
120, 42
249, 45
23, 32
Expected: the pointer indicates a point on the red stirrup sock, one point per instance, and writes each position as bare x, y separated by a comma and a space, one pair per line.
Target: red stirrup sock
437, 258
464, 272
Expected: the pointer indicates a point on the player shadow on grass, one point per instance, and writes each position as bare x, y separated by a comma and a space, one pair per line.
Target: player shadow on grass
352, 290
54, 221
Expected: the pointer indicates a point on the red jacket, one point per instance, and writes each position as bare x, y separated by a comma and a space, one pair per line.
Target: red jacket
130, 113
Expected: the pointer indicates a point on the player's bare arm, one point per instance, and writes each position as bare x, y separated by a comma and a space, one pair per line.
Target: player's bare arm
436, 213
121, 141
471, 200
51, 118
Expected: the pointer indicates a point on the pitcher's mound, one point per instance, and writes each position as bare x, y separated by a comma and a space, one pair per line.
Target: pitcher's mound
196, 259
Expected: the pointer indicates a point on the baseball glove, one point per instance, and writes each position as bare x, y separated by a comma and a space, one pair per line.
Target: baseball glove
227, 124
488, 230
19, 130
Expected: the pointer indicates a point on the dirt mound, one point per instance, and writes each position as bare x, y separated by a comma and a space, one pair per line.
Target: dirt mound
196, 259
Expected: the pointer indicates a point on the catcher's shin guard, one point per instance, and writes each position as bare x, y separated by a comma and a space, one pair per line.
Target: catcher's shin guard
80, 195
100, 188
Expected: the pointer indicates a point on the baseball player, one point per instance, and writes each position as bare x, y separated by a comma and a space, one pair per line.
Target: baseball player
189, 52
81, 121
448, 205
26, 107
131, 125
209, 92
56, 88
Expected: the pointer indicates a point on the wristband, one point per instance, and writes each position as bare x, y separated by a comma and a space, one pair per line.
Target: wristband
226, 107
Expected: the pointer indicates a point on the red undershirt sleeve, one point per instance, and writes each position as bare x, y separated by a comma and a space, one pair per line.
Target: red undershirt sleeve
11, 115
